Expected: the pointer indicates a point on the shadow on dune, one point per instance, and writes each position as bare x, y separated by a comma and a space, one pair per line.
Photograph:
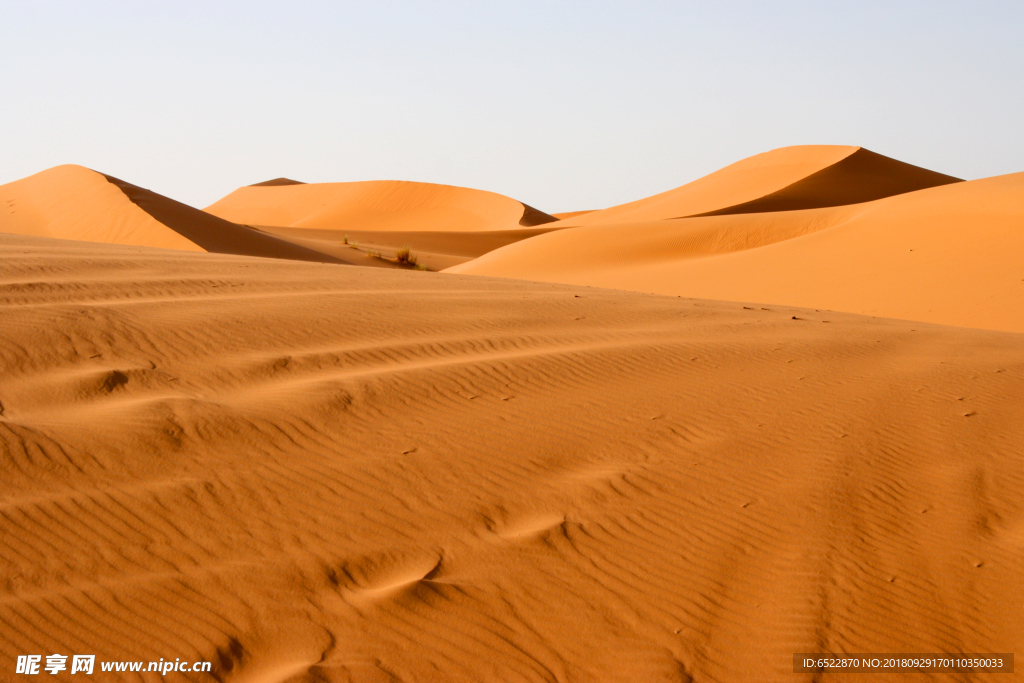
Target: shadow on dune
532, 217
215, 234
863, 176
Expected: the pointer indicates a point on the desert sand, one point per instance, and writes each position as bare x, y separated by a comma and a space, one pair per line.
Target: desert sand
300, 470
571, 214
788, 178
374, 205
443, 224
73, 202
950, 254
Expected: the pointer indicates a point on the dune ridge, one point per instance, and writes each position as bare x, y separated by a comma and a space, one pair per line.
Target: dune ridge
73, 202
571, 214
784, 179
376, 205
400, 476
948, 254
862, 176
277, 181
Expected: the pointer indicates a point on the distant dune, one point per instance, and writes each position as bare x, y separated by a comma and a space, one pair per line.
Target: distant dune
442, 224
800, 177
307, 472
950, 254
379, 205
73, 202
276, 182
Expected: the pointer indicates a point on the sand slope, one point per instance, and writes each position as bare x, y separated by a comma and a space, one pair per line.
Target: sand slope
399, 476
949, 254
571, 214
434, 249
73, 202
788, 178
377, 205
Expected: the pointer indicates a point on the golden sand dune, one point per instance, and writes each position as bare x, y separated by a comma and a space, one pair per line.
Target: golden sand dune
378, 205
308, 472
789, 178
949, 255
73, 202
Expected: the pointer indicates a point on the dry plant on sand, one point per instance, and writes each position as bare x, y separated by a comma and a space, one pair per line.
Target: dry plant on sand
405, 257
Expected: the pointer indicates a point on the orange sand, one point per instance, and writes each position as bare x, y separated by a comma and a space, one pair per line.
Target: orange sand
434, 249
375, 205
312, 472
950, 254
801, 177
570, 214
72, 202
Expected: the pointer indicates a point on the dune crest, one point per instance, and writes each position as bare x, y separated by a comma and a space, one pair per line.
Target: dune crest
377, 205
788, 178
74, 202
862, 176
277, 181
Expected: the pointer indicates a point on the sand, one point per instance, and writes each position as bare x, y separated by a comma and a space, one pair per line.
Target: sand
376, 205
313, 472
788, 178
950, 254
361, 224
443, 225
434, 249
571, 214
73, 202
551, 462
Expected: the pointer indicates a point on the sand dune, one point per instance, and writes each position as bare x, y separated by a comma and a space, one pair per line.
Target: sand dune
378, 205
784, 179
948, 255
443, 225
400, 476
73, 202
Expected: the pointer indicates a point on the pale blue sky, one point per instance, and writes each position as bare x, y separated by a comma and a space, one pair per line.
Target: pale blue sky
563, 105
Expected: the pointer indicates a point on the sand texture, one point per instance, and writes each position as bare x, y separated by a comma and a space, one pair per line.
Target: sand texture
778, 409
312, 472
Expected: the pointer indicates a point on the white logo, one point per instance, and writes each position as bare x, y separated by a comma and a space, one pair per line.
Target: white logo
56, 663
28, 664
83, 663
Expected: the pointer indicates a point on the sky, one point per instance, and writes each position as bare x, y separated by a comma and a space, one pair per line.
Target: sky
563, 105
